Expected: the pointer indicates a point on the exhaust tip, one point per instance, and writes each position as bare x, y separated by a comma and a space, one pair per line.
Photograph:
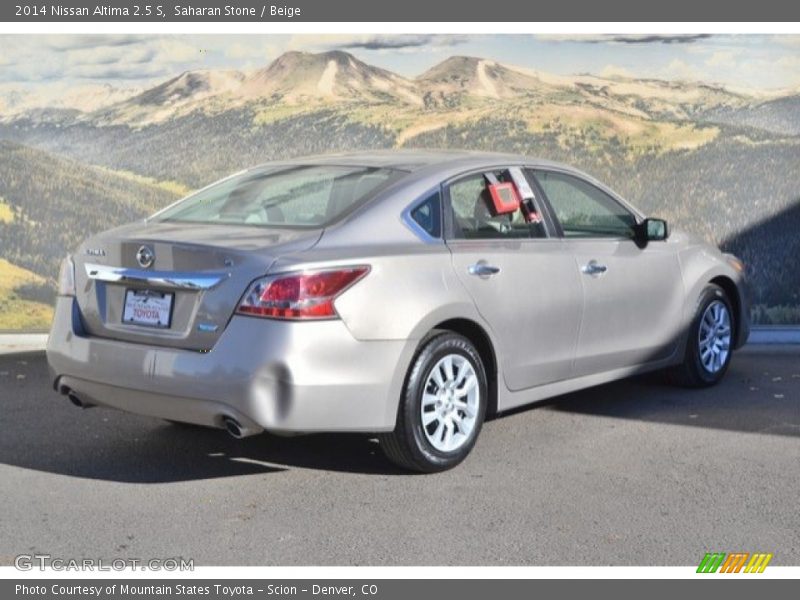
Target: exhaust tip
232, 427
73, 398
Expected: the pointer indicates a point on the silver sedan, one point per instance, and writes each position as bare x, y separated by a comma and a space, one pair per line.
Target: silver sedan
406, 294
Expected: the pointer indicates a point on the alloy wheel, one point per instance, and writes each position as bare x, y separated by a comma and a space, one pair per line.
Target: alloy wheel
450, 402
714, 339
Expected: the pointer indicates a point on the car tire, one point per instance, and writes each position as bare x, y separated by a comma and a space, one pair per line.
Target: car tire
442, 408
713, 317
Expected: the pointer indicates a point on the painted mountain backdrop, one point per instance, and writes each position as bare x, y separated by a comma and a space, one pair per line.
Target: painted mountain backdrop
722, 163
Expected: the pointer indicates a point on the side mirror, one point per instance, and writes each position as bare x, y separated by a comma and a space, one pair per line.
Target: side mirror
651, 230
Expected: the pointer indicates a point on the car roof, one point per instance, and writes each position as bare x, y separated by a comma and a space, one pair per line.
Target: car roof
415, 160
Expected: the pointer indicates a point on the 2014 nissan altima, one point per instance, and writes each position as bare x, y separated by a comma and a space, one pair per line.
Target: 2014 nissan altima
406, 294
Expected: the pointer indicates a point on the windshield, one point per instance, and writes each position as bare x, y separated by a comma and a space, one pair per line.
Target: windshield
297, 196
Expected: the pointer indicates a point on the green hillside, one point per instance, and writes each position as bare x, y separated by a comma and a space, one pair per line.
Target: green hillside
56, 202
17, 309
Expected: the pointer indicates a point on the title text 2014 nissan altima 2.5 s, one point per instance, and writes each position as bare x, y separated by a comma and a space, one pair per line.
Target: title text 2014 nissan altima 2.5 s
406, 294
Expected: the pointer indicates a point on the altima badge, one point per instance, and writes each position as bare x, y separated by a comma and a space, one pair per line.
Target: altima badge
145, 257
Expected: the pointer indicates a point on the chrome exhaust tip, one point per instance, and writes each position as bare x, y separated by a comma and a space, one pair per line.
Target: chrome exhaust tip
76, 401
233, 427
73, 398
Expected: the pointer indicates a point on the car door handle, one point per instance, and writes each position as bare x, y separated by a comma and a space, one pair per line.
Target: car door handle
593, 268
482, 269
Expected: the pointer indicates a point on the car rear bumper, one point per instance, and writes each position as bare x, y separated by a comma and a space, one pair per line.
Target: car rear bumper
270, 375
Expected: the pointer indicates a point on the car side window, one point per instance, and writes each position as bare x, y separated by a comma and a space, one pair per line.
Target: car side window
473, 218
428, 214
583, 209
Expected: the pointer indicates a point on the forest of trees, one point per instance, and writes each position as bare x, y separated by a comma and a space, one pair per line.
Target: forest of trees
57, 202
198, 149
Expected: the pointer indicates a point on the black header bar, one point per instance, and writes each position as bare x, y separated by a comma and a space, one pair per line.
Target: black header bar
496, 11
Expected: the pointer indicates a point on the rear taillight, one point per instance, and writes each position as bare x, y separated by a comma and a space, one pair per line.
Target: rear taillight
305, 295
66, 278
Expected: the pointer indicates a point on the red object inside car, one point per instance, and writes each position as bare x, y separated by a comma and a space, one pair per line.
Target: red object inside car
505, 199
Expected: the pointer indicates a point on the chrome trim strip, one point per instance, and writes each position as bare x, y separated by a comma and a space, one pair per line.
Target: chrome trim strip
163, 279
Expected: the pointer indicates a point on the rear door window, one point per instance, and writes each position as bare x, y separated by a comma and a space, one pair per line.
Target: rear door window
473, 217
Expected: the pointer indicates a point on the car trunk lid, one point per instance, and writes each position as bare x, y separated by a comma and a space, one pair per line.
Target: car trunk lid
174, 284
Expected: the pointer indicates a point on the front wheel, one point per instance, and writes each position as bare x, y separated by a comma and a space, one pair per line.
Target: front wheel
442, 408
710, 341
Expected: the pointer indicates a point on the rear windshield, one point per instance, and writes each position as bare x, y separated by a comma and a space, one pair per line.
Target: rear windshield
306, 196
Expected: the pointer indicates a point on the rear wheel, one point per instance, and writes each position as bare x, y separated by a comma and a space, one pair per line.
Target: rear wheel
710, 343
442, 409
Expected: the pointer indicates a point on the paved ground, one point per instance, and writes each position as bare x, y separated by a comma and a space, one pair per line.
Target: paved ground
629, 473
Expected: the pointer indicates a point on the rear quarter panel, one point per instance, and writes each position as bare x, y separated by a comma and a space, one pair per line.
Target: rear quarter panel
411, 287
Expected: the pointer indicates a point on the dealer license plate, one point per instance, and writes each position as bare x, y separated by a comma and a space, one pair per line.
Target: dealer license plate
148, 308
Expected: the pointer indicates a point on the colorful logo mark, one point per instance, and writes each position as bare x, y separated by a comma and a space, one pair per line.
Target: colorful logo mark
735, 562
